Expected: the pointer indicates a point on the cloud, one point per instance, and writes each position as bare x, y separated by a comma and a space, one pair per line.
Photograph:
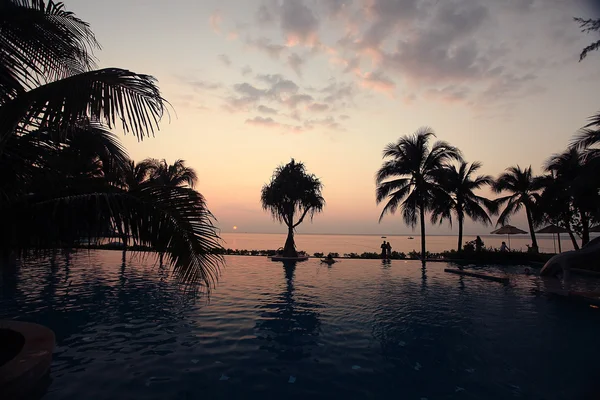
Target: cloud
264, 44
264, 122
215, 20
274, 88
450, 93
296, 99
377, 81
344, 117
299, 23
267, 12
269, 122
328, 123
296, 62
224, 58
267, 110
246, 70
248, 90
317, 107
338, 92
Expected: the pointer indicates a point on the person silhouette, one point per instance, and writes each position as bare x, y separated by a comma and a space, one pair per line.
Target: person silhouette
383, 249
388, 248
478, 244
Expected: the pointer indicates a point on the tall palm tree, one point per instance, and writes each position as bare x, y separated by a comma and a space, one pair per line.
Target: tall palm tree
575, 175
460, 184
55, 109
407, 179
523, 188
292, 192
555, 206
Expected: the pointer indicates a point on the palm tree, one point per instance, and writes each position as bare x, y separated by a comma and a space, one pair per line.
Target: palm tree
523, 188
408, 178
555, 206
460, 185
58, 159
292, 192
575, 175
177, 174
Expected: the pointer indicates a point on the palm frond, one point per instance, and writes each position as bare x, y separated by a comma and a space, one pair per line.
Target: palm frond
104, 95
396, 192
40, 41
172, 220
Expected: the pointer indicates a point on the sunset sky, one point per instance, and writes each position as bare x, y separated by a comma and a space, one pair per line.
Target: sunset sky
331, 82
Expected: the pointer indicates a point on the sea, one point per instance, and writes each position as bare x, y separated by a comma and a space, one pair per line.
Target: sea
344, 244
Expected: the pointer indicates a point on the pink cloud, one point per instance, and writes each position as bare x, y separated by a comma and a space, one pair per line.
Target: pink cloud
377, 81
215, 20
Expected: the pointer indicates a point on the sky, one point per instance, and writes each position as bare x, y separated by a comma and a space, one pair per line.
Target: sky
330, 82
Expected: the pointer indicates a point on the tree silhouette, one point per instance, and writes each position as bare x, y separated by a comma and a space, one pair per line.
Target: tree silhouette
407, 179
523, 188
292, 192
460, 184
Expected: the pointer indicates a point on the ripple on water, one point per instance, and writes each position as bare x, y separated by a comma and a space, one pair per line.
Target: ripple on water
355, 330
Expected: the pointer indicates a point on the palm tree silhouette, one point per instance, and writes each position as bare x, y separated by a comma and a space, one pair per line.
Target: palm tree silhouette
58, 161
575, 175
523, 188
177, 174
460, 184
292, 192
554, 205
408, 178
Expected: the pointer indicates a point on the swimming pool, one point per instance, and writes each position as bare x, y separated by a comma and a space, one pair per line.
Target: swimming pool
358, 329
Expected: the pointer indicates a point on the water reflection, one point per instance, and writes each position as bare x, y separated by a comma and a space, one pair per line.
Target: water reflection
289, 323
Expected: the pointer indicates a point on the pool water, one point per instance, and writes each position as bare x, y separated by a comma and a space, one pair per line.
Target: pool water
359, 329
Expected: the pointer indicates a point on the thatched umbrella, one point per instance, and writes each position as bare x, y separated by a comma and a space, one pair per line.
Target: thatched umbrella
554, 229
508, 230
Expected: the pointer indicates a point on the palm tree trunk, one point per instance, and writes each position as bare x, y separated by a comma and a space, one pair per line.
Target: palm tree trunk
460, 232
573, 239
534, 244
289, 250
585, 229
422, 216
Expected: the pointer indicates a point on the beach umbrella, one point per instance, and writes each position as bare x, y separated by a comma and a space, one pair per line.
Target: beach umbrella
554, 229
508, 230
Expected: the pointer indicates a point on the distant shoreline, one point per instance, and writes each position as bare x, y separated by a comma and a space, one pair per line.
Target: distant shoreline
391, 234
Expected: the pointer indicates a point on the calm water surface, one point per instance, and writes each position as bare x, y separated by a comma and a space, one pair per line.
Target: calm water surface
359, 329
371, 243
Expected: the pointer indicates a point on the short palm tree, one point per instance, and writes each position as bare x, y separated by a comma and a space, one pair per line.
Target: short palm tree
523, 188
291, 195
407, 179
460, 184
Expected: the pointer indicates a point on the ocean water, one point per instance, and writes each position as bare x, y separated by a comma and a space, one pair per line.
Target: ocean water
361, 329
371, 243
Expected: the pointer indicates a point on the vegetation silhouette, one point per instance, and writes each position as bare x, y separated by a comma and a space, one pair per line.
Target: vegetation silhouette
458, 184
60, 166
523, 192
292, 192
408, 179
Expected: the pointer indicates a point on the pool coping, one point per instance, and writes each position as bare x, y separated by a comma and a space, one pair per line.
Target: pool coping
21, 374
